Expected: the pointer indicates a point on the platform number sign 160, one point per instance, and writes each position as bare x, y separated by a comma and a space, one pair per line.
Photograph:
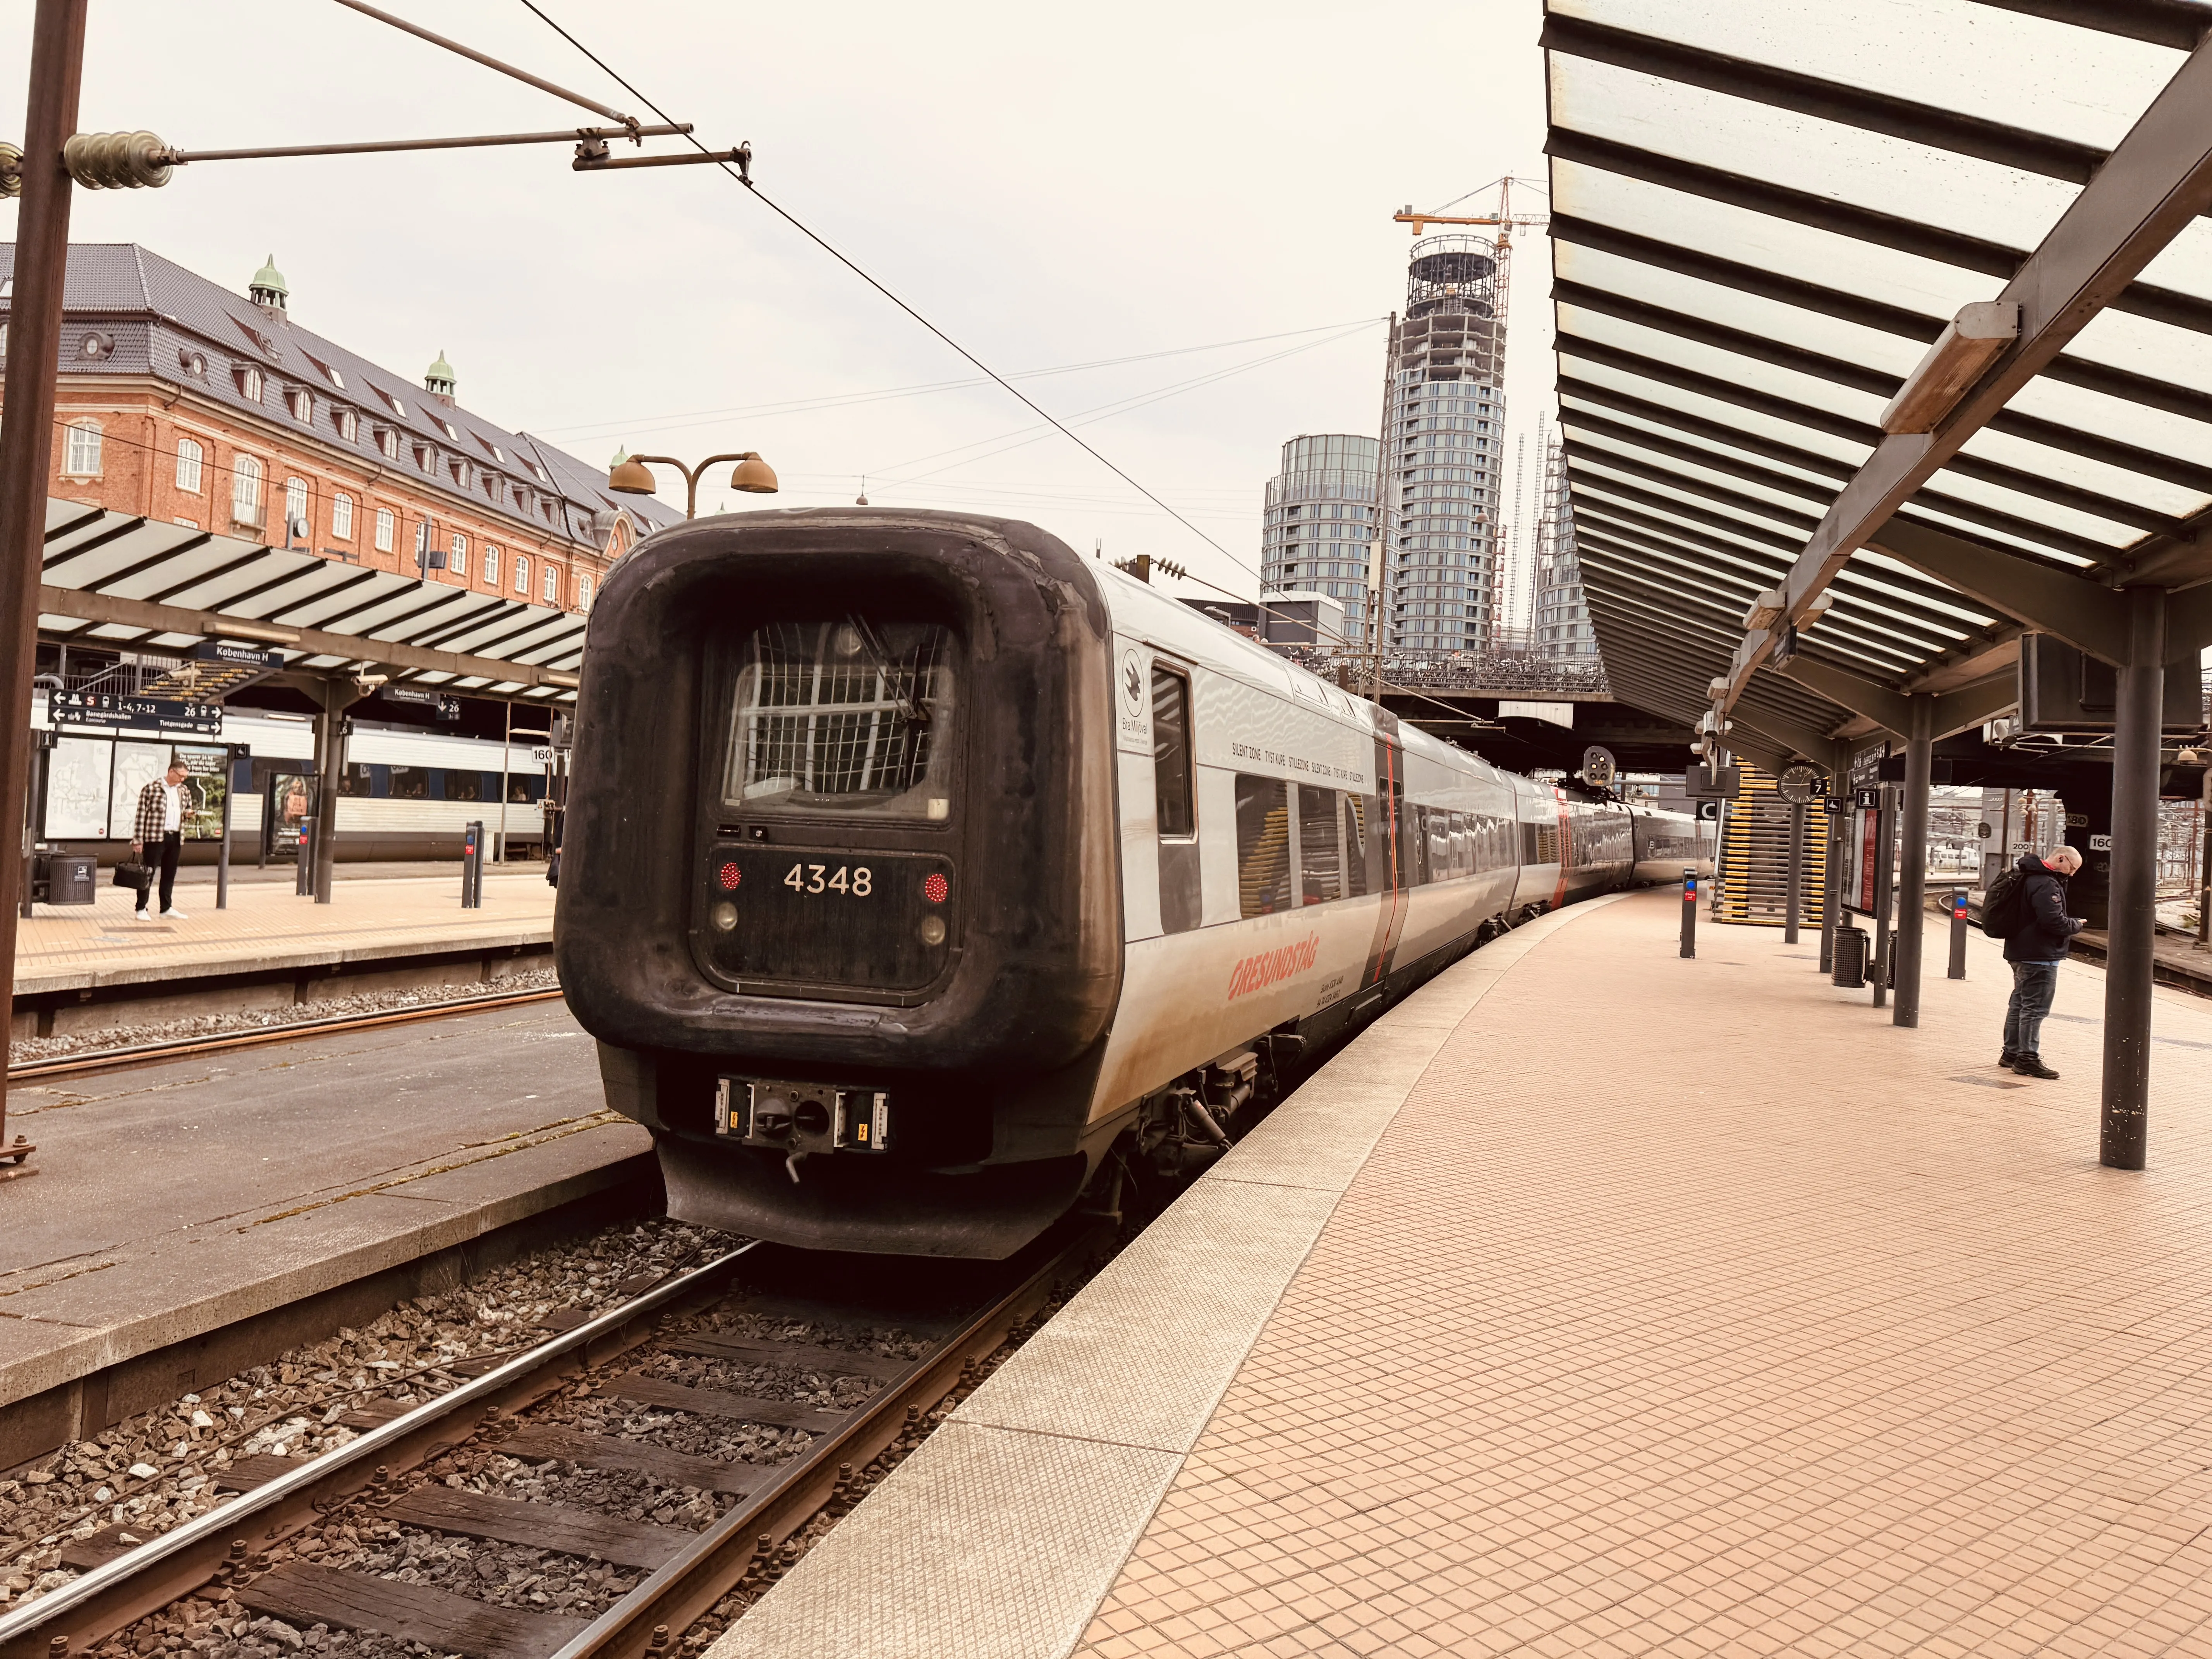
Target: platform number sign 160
855, 881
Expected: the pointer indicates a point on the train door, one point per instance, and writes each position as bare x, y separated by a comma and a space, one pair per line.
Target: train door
1389, 875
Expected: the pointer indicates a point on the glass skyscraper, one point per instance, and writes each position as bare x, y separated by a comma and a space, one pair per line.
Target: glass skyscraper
1320, 518
1444, 428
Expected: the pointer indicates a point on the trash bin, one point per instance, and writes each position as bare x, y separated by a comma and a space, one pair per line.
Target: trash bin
1849, 970
64, 877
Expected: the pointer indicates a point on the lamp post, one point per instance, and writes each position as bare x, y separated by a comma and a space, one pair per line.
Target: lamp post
632, 476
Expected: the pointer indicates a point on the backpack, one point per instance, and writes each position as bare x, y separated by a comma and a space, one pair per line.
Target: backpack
2001, 905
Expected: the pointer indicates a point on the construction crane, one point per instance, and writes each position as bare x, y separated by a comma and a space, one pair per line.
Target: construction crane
1503, 221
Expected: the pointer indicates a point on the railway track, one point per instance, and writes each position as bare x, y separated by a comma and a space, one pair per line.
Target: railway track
109, 1059
249, 1564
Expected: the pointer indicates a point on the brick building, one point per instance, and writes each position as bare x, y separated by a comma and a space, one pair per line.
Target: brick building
180, 402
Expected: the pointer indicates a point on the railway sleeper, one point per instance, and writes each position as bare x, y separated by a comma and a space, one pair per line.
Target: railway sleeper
303, 1594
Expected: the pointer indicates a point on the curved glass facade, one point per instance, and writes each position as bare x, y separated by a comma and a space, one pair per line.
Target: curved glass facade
1321, 515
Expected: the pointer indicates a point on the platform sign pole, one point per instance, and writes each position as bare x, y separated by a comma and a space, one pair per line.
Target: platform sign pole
222, 847
1792, 901
1958, 970
1689, 913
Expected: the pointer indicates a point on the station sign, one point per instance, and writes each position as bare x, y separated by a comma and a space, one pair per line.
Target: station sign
111, 713
448, 708
238, 656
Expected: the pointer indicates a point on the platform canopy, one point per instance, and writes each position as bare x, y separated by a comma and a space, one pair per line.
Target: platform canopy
124, 583
1885, 336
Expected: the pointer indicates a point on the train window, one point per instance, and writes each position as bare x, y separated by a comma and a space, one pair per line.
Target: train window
410, 783
1321, 853
1462, 858
1357, 851
1172, 778
464, 785
524, 789
1263, 845
356, 780
850, 716
1438, 824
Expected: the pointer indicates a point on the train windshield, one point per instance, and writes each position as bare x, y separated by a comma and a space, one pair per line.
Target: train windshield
849, 715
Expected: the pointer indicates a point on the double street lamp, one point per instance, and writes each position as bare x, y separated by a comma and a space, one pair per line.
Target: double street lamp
632, 476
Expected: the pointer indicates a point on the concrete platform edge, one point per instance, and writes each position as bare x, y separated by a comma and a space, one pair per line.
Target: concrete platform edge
544, 1177
999, 1538
249, 961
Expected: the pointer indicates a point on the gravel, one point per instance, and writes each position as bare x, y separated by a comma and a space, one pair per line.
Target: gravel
293, 1404
24, 1050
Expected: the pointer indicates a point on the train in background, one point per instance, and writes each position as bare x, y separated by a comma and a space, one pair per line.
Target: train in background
922, 877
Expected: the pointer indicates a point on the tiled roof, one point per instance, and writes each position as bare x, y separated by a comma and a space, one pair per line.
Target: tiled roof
161, 318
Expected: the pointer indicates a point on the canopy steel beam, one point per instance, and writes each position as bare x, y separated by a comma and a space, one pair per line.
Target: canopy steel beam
104, 608
1953, 711
2162, 22
2157, 181
2086, 614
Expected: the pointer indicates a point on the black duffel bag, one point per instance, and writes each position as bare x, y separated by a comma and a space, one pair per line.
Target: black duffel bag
134, 876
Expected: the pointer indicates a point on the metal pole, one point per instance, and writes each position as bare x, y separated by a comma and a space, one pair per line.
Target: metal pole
2204, 880
1958, 970
1912, 897
1885, 851
34, 340
330, 751
222, 852
506, 742
2123, 1130
1791, 900
1831, 894
1689, 912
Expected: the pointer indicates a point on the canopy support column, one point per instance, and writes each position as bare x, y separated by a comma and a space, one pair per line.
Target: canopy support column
2124, 1127
1912, 872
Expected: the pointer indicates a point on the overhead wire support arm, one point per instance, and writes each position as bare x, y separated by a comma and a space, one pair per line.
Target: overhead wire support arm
490, 62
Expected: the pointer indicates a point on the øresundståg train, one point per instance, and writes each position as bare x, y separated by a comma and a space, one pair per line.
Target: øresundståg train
919, 874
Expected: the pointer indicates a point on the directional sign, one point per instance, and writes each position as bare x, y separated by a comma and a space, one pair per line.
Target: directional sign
110, 712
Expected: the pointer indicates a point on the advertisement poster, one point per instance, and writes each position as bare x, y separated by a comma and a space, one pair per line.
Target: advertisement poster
76, 789
291, 798
204, 790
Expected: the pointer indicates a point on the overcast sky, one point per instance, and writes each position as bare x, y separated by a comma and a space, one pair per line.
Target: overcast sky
1206, 185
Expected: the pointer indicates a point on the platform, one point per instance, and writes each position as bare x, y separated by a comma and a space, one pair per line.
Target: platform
1598, 1302
270, 935
175, 1200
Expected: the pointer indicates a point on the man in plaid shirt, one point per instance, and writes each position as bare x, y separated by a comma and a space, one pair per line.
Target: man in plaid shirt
161, 807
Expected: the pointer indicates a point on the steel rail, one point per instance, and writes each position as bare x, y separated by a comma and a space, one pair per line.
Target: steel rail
110, 1060
173, 1566
715, 1562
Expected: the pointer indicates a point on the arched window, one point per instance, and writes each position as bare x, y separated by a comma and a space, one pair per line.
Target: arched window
245, 492
80, 454
385, 526
491, 564
189, 457
296, 505
342, 518
522, 575
583, 592
460, 561
552, 585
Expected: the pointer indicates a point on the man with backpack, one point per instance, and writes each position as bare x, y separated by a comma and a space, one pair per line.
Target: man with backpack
2025, 907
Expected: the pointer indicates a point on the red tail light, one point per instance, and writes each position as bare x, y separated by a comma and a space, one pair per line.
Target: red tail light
936, 888
730, 877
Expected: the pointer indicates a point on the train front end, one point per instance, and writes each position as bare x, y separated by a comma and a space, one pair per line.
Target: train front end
839, 898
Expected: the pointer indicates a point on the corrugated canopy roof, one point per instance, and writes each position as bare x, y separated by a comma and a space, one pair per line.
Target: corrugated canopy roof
1764, 214
119, 582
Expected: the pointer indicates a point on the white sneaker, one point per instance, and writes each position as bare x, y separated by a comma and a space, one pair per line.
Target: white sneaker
143, 914
174, 915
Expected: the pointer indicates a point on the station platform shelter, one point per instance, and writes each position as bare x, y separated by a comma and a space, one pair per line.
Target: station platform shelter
1599, 1302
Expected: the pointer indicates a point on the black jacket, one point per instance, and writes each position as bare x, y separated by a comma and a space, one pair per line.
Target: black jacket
2044, 927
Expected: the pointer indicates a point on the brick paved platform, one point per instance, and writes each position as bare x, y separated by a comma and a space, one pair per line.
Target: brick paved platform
1602, 1303
268, 925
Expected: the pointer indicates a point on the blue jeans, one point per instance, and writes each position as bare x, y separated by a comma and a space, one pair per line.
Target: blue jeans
2033, 985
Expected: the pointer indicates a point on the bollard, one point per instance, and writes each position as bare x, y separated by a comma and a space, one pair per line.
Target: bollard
1958, 970
1689, 913
472, 865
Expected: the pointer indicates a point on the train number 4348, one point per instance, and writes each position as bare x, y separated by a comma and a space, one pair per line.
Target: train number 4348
855, 881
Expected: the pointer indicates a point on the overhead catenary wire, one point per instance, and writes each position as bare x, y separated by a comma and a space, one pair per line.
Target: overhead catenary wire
852, 266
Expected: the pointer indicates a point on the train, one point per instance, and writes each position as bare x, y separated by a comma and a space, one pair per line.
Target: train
924, 881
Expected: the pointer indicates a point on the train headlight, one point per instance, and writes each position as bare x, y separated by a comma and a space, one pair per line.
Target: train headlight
932, 930
723, 916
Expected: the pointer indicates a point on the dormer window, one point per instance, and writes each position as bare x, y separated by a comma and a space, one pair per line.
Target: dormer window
491, 448
539, 472
327, 372
249, 384
387, 442
349, 425
391, 402
301, 403
426, 458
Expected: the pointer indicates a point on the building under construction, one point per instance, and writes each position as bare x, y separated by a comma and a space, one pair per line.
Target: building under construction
1563, 630
1442, 434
